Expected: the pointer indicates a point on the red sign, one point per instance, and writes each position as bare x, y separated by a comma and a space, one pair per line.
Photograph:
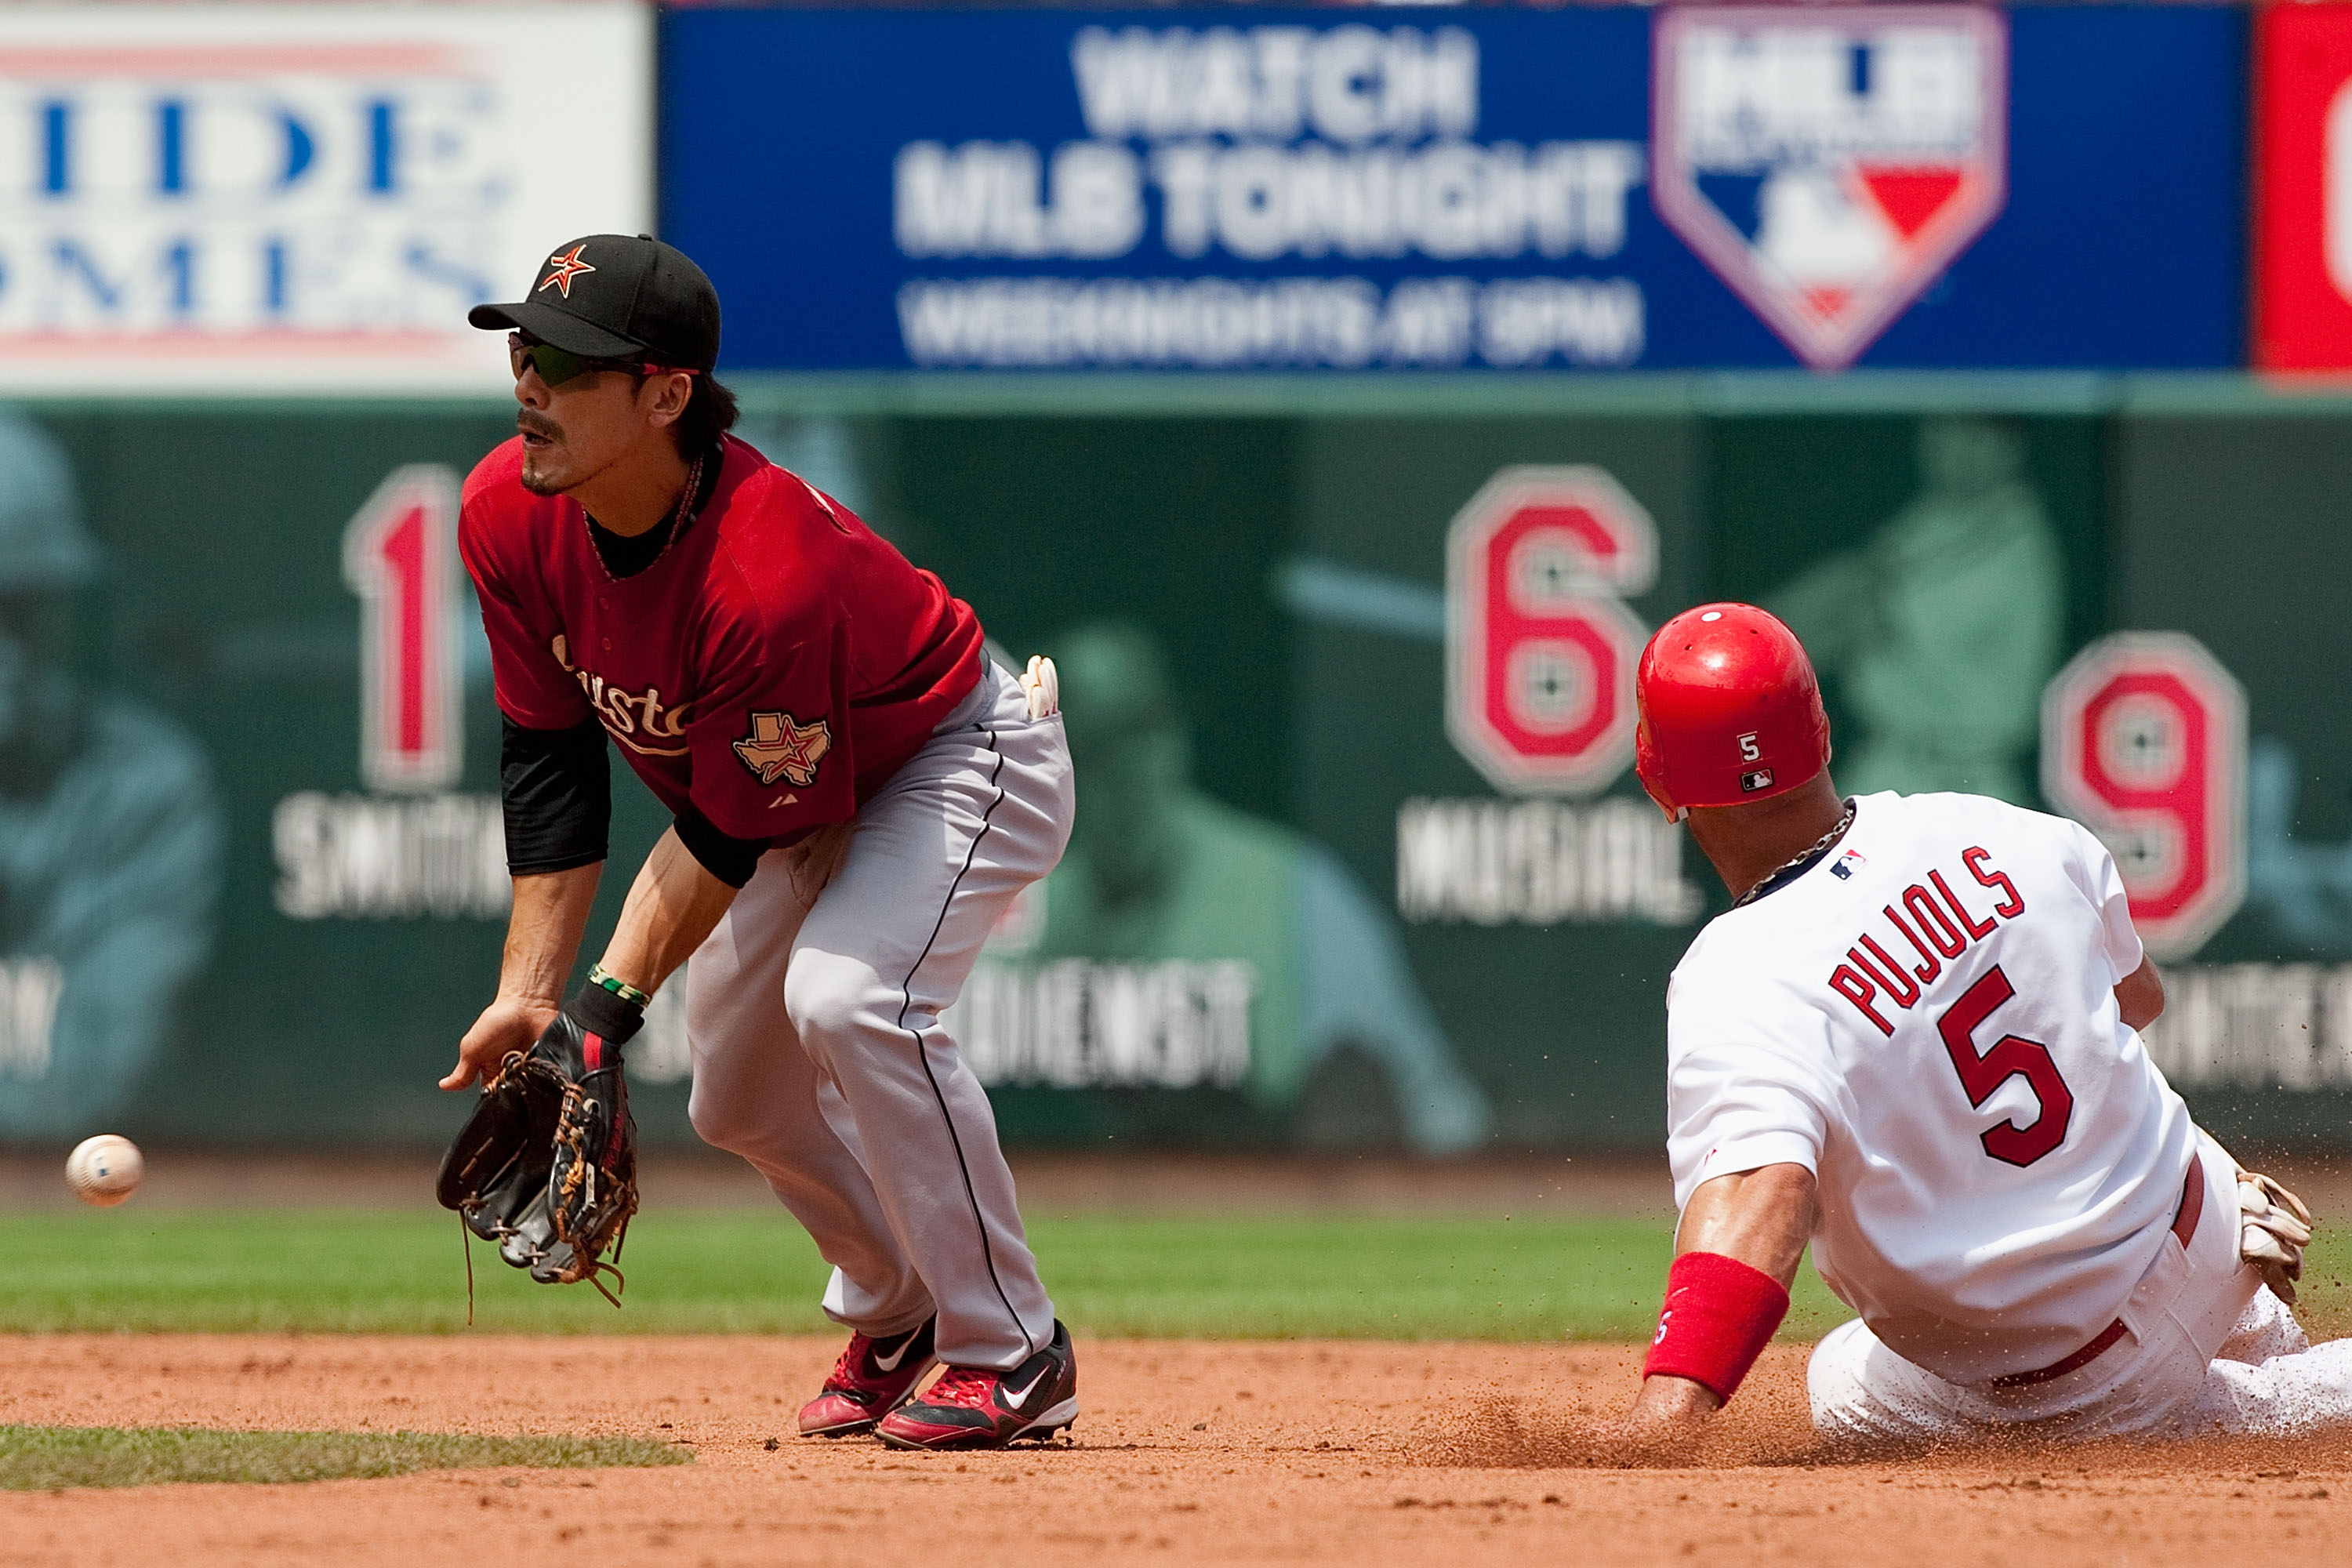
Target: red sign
2144, 742
2302, 188
1540, 647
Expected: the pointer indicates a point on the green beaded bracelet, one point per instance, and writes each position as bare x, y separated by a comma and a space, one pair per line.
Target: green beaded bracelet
599, 976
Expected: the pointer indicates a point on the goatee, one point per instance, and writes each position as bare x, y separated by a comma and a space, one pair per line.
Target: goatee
535, 480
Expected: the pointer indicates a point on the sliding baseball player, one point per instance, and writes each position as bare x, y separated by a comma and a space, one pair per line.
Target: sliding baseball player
1911, 1044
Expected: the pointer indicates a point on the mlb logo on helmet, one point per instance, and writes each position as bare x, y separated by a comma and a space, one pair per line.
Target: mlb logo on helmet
1830, 164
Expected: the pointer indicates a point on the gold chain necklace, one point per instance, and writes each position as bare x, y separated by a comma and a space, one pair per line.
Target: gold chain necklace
1816, 847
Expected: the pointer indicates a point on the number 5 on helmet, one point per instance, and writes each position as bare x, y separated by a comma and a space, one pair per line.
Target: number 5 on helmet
1730, 711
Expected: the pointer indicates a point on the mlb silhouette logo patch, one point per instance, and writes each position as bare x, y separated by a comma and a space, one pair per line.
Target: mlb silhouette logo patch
1843, 868
1828, 164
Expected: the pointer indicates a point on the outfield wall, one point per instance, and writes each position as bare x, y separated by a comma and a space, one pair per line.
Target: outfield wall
1340, 397
243, 905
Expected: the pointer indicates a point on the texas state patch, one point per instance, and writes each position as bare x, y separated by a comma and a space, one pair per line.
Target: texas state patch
780, 748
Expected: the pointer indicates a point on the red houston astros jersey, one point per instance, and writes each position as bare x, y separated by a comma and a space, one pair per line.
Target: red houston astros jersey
772, 667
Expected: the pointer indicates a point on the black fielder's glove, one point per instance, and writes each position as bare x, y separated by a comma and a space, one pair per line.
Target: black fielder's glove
546, 1166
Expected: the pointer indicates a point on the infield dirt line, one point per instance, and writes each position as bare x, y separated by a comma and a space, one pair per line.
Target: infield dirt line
1342, 1452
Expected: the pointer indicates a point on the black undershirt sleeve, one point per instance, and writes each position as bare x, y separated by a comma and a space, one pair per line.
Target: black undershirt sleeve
731, 860
557, 792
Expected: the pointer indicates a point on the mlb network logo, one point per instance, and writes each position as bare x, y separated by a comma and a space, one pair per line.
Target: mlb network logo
1828, 164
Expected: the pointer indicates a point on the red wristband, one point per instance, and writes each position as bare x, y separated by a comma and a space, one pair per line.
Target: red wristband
1719, 1314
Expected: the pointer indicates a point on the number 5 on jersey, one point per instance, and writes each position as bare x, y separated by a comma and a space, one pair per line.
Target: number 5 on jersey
2012, 1056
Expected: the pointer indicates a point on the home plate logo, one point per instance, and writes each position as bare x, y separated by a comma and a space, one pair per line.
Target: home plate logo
1830, 164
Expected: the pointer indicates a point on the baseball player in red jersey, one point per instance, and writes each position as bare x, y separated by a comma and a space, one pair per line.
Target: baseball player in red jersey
1912, 1042
858, 791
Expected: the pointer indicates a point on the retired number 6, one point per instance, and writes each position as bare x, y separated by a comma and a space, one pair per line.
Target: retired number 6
2012, 1056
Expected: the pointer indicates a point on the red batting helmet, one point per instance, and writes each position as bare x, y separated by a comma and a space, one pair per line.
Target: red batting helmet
1730, 711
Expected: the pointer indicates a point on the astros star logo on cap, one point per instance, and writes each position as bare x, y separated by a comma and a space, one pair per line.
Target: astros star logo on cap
567, 266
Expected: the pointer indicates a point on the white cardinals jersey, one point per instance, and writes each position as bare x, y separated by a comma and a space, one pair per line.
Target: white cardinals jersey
1926, 1019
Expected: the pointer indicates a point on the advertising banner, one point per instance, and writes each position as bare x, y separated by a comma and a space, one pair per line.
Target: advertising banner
291, 197
2302, 188
1602, 189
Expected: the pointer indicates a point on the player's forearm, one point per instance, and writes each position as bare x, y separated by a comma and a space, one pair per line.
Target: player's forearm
1735, 1254
1665, 1400
551, 913
1762, 1218
672, 906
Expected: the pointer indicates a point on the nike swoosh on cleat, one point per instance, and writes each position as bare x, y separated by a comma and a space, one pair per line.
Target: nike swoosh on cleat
889, 1363
1016, 1401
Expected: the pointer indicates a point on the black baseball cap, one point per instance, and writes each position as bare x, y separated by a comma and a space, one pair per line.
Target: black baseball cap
617, 296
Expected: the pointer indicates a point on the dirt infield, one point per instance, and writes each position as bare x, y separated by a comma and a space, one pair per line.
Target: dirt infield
1314, 1453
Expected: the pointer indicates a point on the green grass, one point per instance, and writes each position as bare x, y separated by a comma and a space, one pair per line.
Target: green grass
1190, 1276
1532, 1277
37, 1458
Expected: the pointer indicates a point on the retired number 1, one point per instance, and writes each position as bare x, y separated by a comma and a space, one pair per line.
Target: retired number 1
400, 557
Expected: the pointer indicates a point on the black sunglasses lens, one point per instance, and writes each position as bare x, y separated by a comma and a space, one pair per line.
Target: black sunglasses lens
555, 365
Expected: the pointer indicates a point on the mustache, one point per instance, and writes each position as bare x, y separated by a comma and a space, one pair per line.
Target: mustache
538, 424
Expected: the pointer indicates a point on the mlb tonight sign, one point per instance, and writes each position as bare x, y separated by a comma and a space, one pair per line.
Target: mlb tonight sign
1593, 190
294, 198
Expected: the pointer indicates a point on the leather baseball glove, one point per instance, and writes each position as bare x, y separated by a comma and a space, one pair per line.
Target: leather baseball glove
546, 1166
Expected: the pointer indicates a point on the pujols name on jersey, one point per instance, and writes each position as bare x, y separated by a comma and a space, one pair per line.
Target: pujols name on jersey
1926, 1019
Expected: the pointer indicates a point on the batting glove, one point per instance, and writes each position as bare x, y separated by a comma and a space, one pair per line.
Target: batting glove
1042, 684
2274, 1229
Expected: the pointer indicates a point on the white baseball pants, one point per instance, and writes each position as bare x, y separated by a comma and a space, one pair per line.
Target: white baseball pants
2206, 1348
813, 1011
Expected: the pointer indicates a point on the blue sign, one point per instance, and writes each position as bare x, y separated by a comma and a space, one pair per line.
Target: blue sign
1925, 187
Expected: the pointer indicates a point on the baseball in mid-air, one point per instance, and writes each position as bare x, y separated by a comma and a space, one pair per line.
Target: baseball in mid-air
104, 1170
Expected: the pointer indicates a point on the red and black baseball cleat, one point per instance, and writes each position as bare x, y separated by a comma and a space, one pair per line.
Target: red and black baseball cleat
868, 1381
978, 1407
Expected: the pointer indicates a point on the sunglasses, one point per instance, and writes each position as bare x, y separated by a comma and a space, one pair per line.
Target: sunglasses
557, 366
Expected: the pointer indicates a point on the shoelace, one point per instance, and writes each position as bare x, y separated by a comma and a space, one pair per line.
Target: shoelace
963, 1386
848, 1372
